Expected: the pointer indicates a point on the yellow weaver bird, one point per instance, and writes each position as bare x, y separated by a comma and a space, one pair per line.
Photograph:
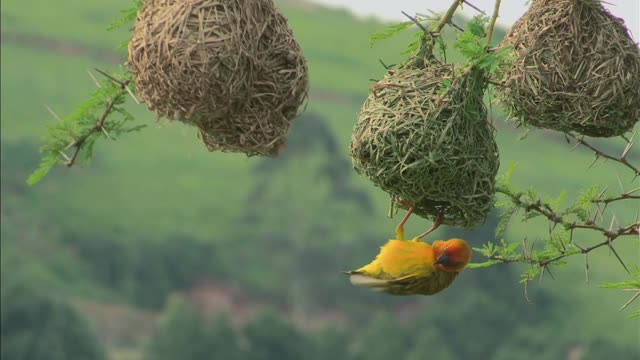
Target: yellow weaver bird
413, 267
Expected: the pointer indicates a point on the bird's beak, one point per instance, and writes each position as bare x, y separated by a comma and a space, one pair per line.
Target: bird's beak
443, 259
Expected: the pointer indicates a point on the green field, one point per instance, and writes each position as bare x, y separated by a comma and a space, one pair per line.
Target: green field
161, 182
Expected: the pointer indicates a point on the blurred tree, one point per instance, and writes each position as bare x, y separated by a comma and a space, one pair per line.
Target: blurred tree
311, 229
16, 161
223, 340
34, 326
311, 134
181, 334
331, 344
184, 334
533, 342
529, 342
381, 339
145, 270
600, 349
430, 344
271, 337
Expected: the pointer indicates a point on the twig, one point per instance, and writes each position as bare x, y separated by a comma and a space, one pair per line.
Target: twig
99, 126
94, 78
123, 84
492, 23
456, 26
385, 66
53, 113
547, 211
586, 267
634, 297
622, 159
496, 83
415, 21
475, 7
624, 196
447, 16
527, 259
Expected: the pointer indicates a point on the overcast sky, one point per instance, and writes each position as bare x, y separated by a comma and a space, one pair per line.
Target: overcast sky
510, 10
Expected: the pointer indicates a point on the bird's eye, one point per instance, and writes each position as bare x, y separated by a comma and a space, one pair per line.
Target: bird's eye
444, 259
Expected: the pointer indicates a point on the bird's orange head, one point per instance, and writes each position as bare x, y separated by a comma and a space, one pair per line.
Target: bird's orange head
452, 255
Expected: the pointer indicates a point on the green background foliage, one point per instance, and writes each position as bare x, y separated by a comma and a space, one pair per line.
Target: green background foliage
155, 214
34, 325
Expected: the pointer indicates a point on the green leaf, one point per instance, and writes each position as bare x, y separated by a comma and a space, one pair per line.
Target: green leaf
389, 32
483, 265
582, 207
470, 46
634, 315
128, 16
446, 85
82, 123
504, 180
505, 219
414, 46
442, 48
508, 249
631, 284
46, 164
557, 203
488, 249
531, 195
530, 274
477, 26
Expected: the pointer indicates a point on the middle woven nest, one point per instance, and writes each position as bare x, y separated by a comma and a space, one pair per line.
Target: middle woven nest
423, 136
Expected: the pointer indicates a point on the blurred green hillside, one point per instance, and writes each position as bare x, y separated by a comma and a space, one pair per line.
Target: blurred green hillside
156, 214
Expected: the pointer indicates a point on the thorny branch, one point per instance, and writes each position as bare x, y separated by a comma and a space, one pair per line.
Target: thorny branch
625, 196
474, 7
446, 18
78, 143
610, 233
545, 210
622, 159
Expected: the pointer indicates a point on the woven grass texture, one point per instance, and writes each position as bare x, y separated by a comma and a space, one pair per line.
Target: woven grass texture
422, 136
576, 68
230, 67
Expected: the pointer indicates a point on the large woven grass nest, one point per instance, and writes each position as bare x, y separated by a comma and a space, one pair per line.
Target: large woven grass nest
422, 136
230, 67
576, 68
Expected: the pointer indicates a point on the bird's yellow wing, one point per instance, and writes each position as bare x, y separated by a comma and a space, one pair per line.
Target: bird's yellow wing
401, 259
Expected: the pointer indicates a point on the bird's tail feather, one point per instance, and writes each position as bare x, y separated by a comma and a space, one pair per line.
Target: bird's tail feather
367, 281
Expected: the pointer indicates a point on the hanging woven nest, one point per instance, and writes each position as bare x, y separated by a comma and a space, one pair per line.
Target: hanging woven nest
230, 135
230, 67
422, 136
576, 68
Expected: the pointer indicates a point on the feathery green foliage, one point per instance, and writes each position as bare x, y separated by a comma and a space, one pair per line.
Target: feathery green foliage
128, 16
389, 32
78, 132
632, 286
563, 220
36, 325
